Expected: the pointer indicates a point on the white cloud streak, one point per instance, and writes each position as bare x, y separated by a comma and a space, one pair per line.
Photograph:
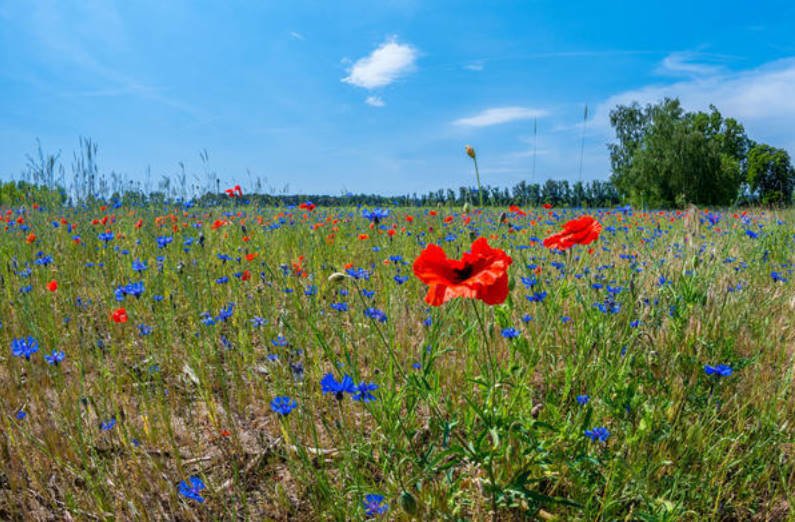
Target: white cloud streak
374, 101
499, 115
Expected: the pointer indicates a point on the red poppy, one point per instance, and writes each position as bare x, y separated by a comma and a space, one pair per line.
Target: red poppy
234, 192
52, 286
307, 205
482, 273
31, 238
119, 315
580, 231
547, 205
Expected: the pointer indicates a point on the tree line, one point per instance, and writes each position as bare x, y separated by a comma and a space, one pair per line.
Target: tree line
662, 157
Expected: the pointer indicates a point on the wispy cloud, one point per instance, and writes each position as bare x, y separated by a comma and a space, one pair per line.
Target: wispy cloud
297, 36
474, 66
374, 101
499, 115
384, 65
761, 95
688, 64
58, 40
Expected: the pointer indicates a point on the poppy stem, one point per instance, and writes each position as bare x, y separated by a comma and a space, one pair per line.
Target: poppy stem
492, 362
477, 177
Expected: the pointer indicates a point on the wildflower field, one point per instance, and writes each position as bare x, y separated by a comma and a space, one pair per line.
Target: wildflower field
311, 363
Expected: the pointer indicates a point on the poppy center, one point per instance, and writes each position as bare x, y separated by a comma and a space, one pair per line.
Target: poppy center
462, 274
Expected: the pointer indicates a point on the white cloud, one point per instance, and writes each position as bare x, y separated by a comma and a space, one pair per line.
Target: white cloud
297, 36
687, 64
384, 65
374, 101
498, 115
474, 66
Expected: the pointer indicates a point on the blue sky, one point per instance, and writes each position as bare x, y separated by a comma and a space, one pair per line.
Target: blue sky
376, 96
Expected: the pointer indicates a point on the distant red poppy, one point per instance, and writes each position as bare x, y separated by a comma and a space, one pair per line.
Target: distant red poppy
31, 238
580, 231
307, 205
234, 192
547, 205
52, 286
482, 273
119, 315
245, 276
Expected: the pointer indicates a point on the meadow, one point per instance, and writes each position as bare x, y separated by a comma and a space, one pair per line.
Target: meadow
184, 363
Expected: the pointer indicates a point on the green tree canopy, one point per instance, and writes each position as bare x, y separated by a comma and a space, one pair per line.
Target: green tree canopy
666, 157
770, 174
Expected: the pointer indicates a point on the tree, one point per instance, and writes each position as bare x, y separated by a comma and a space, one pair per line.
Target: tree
770, 174
666, 156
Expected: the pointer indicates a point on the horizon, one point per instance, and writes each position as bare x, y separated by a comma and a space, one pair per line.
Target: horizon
336, 99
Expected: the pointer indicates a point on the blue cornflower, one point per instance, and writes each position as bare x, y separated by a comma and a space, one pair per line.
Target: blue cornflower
600, 433
226, 313
191, 490
368, 293
144, 329
258, 321
43, 260
428, 321
751, 234
108, 424
310, 290
510, 332
222, 280
778, 277
582, 400
280, 340
21, 414
529, 282
399, 279
55, 357
358, 273
328, 384
138, 265
24, 347
340, 307
720, 370
106, 236
374, 505
526, 318
537, 297
375, 314
376, 214
134, 289
363, 392
162, 241
283, 405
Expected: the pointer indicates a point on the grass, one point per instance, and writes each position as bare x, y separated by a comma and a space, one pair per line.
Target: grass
467, 424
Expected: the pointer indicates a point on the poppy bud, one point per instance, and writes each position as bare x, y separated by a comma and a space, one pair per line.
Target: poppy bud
470, 151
